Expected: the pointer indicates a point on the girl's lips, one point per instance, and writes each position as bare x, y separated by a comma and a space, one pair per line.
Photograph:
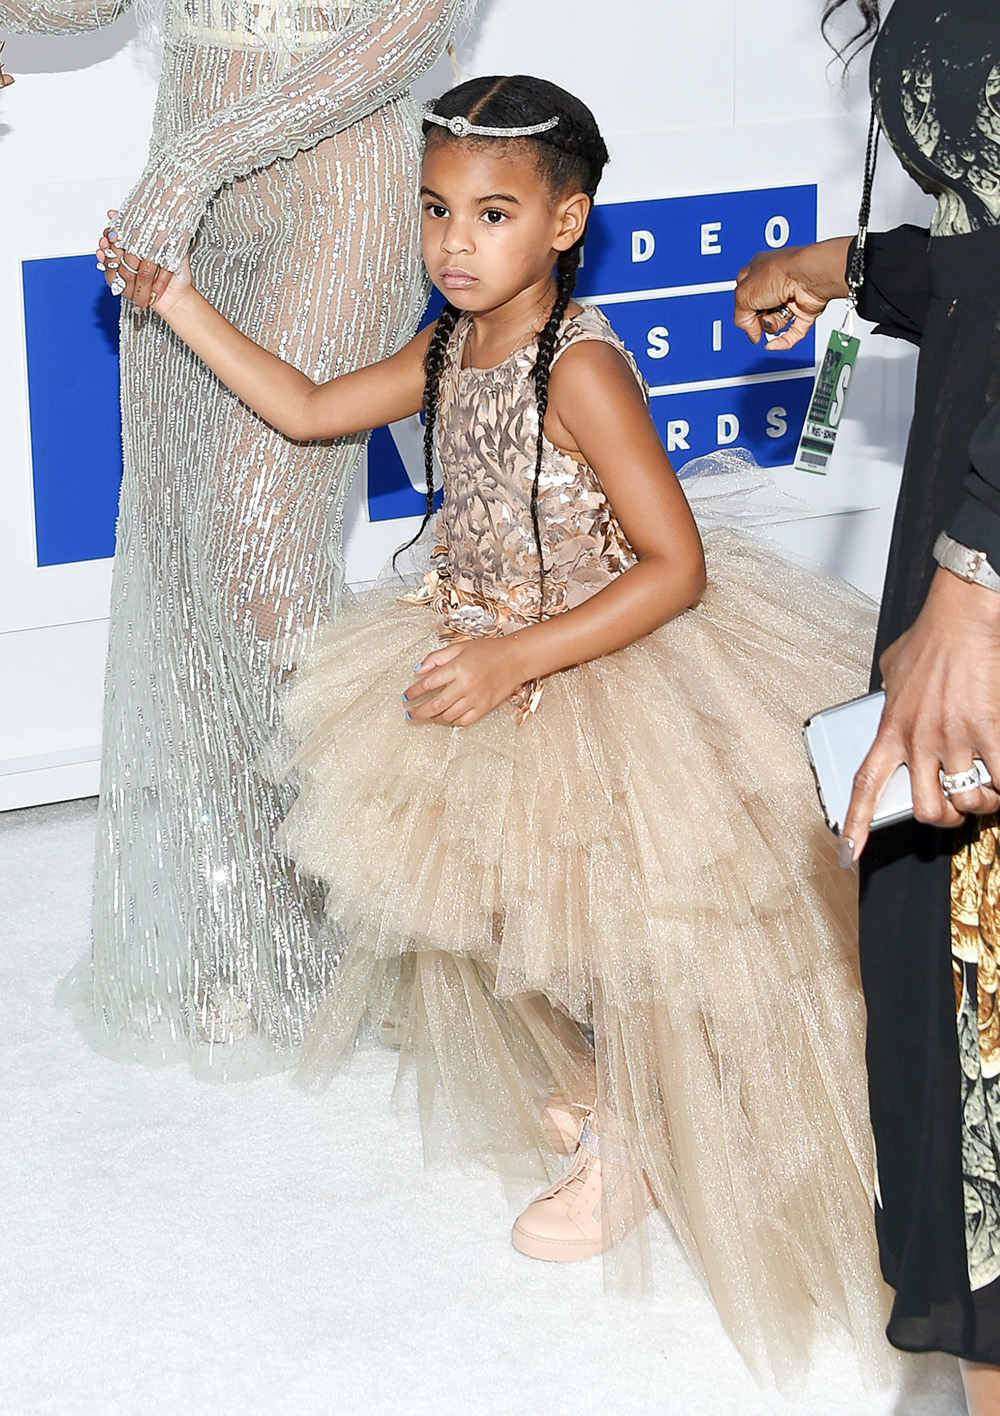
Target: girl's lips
457, 279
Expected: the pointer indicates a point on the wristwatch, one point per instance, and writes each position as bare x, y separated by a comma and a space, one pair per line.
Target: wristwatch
965, 563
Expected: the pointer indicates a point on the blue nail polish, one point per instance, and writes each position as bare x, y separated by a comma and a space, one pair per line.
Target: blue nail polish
408, 715
112, 235
403, 696
417, 668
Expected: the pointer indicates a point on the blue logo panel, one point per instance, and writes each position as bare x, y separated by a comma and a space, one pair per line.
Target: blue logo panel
676, 242
653, 245
692, 338
71, 334
764, 417
396, 479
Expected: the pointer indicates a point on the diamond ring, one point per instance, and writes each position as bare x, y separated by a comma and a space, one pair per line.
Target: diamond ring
954, 783
117, 285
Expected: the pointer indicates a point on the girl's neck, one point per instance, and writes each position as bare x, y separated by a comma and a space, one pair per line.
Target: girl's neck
496, 334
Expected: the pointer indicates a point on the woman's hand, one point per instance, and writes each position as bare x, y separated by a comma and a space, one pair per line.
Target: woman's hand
458, 685
144, 282
942, 709
5, 79
787, 289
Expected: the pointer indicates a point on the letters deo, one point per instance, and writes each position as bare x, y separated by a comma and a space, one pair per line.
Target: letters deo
776, 233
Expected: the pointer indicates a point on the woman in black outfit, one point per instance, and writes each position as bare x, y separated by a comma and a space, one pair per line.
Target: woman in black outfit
930, 889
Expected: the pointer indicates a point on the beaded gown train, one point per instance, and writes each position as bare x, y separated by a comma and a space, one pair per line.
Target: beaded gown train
631, 851
284, 155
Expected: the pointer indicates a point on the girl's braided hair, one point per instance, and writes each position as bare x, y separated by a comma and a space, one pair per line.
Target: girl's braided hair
870, 19
571, 157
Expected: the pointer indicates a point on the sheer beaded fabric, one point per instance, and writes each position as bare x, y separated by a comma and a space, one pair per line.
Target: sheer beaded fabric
284, 156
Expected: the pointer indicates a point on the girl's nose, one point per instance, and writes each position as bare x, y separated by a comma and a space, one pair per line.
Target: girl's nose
456, 238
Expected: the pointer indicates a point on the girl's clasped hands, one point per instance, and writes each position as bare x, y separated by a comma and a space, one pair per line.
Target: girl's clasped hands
461, 683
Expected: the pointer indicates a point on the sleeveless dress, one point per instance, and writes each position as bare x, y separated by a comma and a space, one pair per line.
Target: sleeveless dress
617, 886
284, 158
930, 899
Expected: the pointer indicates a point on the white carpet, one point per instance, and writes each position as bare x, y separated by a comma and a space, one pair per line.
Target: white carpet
171, 1247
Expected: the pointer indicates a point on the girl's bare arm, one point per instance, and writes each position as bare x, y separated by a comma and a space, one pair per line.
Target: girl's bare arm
284, 396
597, 412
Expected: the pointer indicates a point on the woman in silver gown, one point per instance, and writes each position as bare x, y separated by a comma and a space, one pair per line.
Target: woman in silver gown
284, 150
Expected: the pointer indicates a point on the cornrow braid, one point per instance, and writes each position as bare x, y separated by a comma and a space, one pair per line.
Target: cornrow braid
566, 269
433, 367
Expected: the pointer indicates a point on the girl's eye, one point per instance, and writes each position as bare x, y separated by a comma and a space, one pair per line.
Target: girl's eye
494, 216
435, 209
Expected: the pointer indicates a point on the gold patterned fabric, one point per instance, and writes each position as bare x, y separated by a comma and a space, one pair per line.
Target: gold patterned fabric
639, 862
975, 946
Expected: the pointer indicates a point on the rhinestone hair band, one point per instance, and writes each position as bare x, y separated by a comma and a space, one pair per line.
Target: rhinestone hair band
460, 127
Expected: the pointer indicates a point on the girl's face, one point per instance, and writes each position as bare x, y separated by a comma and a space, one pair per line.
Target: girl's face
491, 229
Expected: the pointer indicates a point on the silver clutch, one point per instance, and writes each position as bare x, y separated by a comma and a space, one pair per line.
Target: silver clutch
837, 741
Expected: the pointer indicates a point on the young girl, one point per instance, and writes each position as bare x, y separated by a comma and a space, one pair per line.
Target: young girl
579, 866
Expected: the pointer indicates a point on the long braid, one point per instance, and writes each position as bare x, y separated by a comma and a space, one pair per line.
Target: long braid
566, 269
433, 367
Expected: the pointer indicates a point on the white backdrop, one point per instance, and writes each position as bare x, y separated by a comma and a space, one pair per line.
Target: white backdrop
722, 95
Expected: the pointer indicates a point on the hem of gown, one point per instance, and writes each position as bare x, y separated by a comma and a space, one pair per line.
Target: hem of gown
164, 1042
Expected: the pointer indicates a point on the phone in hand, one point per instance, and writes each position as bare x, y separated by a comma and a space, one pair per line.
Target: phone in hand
837, 741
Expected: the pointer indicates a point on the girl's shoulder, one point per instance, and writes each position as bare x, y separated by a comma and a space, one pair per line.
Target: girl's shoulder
590, 325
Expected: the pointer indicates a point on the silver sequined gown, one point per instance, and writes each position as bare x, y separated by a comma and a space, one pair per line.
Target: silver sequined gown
284, 156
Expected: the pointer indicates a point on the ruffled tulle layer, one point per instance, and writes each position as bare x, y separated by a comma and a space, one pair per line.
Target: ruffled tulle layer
641, 863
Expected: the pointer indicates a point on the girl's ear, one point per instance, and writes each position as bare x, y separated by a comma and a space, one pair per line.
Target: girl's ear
571, 214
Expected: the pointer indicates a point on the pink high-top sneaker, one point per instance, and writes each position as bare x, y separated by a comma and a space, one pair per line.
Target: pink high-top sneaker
564, 1222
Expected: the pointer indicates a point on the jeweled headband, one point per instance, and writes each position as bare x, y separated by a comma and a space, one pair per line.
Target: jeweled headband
460, 127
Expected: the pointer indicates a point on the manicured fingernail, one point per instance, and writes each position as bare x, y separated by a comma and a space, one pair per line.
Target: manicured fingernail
404, 697
101, 265
846, 852
408, 715
417, 668
113, 235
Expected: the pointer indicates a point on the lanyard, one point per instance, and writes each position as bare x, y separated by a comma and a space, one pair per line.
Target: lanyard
856, 265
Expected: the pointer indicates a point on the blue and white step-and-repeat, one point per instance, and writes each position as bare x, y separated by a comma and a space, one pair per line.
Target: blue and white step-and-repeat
663, 272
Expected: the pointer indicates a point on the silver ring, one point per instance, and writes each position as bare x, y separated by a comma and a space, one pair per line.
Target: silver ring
954, 783
784, 313
131, 269
117, 285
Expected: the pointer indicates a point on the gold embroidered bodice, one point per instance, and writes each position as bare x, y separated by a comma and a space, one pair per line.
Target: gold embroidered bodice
487, 442
485, 580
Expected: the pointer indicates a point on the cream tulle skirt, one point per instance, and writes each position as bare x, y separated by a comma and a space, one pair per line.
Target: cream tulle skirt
630, 897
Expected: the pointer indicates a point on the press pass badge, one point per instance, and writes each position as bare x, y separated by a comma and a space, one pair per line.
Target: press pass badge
826, 407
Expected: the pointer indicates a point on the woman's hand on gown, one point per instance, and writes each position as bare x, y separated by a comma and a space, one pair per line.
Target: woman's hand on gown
146, 282
942, 709
803, 279
465, 681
